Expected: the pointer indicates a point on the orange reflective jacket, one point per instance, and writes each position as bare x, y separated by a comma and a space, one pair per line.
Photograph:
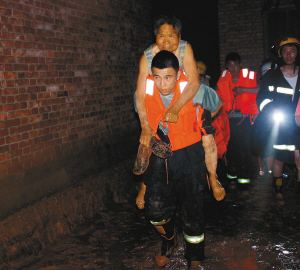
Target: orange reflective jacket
187, 130
246, 102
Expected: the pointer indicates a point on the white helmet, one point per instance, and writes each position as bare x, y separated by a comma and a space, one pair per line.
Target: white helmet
265, 67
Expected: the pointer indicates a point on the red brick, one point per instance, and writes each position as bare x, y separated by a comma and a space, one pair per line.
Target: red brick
60, 70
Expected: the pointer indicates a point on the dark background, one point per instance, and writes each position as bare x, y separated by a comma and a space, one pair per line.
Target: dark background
199, 27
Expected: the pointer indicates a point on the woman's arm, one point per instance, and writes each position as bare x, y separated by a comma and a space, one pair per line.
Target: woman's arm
190, 89
147, 131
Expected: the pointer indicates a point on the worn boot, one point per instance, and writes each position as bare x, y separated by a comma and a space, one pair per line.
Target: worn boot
194, 265
169, 240
142, 160
277, 185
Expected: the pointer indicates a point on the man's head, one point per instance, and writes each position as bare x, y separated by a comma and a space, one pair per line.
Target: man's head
168, 33
233, 63
201, 68
165, 71
289, 51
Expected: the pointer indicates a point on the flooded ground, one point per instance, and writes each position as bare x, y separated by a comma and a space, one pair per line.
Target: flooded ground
249, 229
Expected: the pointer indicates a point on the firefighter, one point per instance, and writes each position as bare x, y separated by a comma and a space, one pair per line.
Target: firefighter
180, 180
259, 140
278, 97
238, 88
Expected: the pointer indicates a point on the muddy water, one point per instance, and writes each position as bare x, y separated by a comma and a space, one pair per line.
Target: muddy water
249, 229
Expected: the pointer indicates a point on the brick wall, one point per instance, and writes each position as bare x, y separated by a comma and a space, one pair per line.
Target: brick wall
68, 71
241, 31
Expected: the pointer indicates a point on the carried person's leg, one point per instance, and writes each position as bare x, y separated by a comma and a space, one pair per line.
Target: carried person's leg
211, 155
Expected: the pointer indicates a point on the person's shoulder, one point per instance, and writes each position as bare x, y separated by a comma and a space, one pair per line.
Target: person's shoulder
188, 45
271, 73
154, 48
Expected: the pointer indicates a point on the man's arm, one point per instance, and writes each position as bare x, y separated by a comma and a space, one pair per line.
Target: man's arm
147, 131
242, 90
190, 89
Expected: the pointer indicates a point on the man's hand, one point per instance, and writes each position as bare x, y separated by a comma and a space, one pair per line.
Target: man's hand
172, 113
238, 91
146, 135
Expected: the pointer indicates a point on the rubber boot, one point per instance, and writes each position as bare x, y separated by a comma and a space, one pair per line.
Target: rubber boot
194, 252
169, 240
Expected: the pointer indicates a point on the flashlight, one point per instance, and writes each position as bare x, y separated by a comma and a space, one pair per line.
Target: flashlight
278, 116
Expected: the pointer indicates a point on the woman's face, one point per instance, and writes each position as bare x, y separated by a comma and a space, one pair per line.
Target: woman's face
289, 54
167, 38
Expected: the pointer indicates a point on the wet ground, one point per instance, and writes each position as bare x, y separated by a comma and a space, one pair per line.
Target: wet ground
249, 229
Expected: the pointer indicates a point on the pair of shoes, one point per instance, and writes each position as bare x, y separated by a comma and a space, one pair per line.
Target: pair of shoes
160, 148
142, 160
167, 249
194, 265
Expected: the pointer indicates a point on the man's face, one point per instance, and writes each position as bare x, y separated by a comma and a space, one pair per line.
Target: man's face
289, 54
165, 79
233, 68
167, 38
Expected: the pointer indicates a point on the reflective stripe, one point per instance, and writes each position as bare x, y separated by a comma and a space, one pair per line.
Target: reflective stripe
251, 75
149, 87
245, 72
271, 88
194, 239
284, 147
182, 85
243, 181
287, 91
158, 223
224, 73
264, 103
231, 176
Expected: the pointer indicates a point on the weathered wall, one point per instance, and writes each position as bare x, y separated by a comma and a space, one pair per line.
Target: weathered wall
26, 232
241, 31
68, 70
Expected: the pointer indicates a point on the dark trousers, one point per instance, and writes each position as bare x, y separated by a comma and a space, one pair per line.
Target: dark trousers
178, 184
240, 159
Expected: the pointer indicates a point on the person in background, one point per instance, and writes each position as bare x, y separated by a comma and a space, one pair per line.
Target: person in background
278, 100
238, 88
204, 78
260, 144
179, 181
